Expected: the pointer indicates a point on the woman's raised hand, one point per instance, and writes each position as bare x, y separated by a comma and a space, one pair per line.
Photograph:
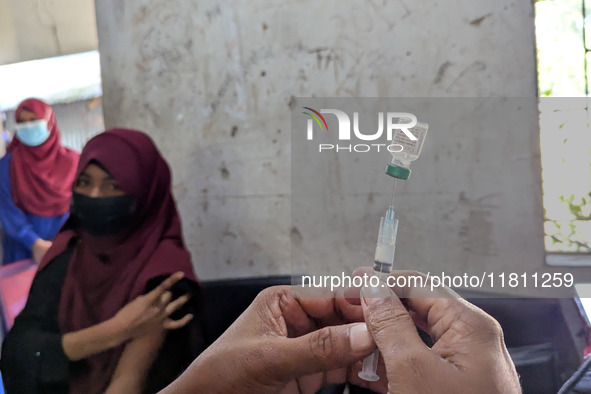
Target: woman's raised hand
152, 311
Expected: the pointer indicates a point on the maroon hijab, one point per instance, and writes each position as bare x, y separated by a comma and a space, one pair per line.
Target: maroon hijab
105, 273
41, 176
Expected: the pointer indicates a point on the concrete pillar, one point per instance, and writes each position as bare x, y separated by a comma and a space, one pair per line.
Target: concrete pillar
213, 81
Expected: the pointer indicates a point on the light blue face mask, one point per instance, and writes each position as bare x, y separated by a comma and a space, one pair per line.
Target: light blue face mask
32, 133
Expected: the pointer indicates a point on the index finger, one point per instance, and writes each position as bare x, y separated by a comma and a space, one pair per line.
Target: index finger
164, 286
318, 304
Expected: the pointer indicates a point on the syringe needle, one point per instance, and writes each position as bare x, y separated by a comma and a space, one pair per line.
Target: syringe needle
393, 188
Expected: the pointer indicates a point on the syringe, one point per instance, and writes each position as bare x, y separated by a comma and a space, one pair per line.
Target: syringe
382, 266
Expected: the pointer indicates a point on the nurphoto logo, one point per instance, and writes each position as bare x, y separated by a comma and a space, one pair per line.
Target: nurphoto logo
402, 121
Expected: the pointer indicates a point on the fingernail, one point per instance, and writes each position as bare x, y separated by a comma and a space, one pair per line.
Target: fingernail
360, 338
372, 294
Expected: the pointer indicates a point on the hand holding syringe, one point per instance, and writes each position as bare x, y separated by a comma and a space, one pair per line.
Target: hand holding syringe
386, 245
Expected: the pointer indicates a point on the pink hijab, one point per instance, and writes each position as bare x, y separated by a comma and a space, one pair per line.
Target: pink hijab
41, 176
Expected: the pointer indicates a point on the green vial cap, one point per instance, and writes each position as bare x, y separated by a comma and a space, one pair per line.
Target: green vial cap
398, 172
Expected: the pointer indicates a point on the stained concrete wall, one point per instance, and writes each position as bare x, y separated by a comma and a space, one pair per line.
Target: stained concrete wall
214, 82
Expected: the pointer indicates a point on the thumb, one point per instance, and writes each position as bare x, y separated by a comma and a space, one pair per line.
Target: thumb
389, 322
326, 349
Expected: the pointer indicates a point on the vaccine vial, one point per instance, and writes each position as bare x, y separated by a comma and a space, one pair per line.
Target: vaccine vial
411, 149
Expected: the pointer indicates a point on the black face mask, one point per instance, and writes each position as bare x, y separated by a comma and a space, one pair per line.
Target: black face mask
103, 215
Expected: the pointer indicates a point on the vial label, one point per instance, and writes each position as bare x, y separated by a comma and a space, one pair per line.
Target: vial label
411, 147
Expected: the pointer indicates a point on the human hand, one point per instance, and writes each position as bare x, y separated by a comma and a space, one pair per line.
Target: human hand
151, 311
40, 247
468, 354
281, 344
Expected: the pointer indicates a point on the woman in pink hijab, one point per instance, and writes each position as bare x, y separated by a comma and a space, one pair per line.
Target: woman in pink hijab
36, 176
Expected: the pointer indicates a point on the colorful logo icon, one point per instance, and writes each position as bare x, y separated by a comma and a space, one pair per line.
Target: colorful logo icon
316, 117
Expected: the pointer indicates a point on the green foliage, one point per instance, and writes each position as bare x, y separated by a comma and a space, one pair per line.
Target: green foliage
561, 69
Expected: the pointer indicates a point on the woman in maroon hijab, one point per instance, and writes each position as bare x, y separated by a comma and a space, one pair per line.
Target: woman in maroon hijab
81, 330
35, 183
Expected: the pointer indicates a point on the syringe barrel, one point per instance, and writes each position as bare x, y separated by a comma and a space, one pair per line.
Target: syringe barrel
384, 258
386, 246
